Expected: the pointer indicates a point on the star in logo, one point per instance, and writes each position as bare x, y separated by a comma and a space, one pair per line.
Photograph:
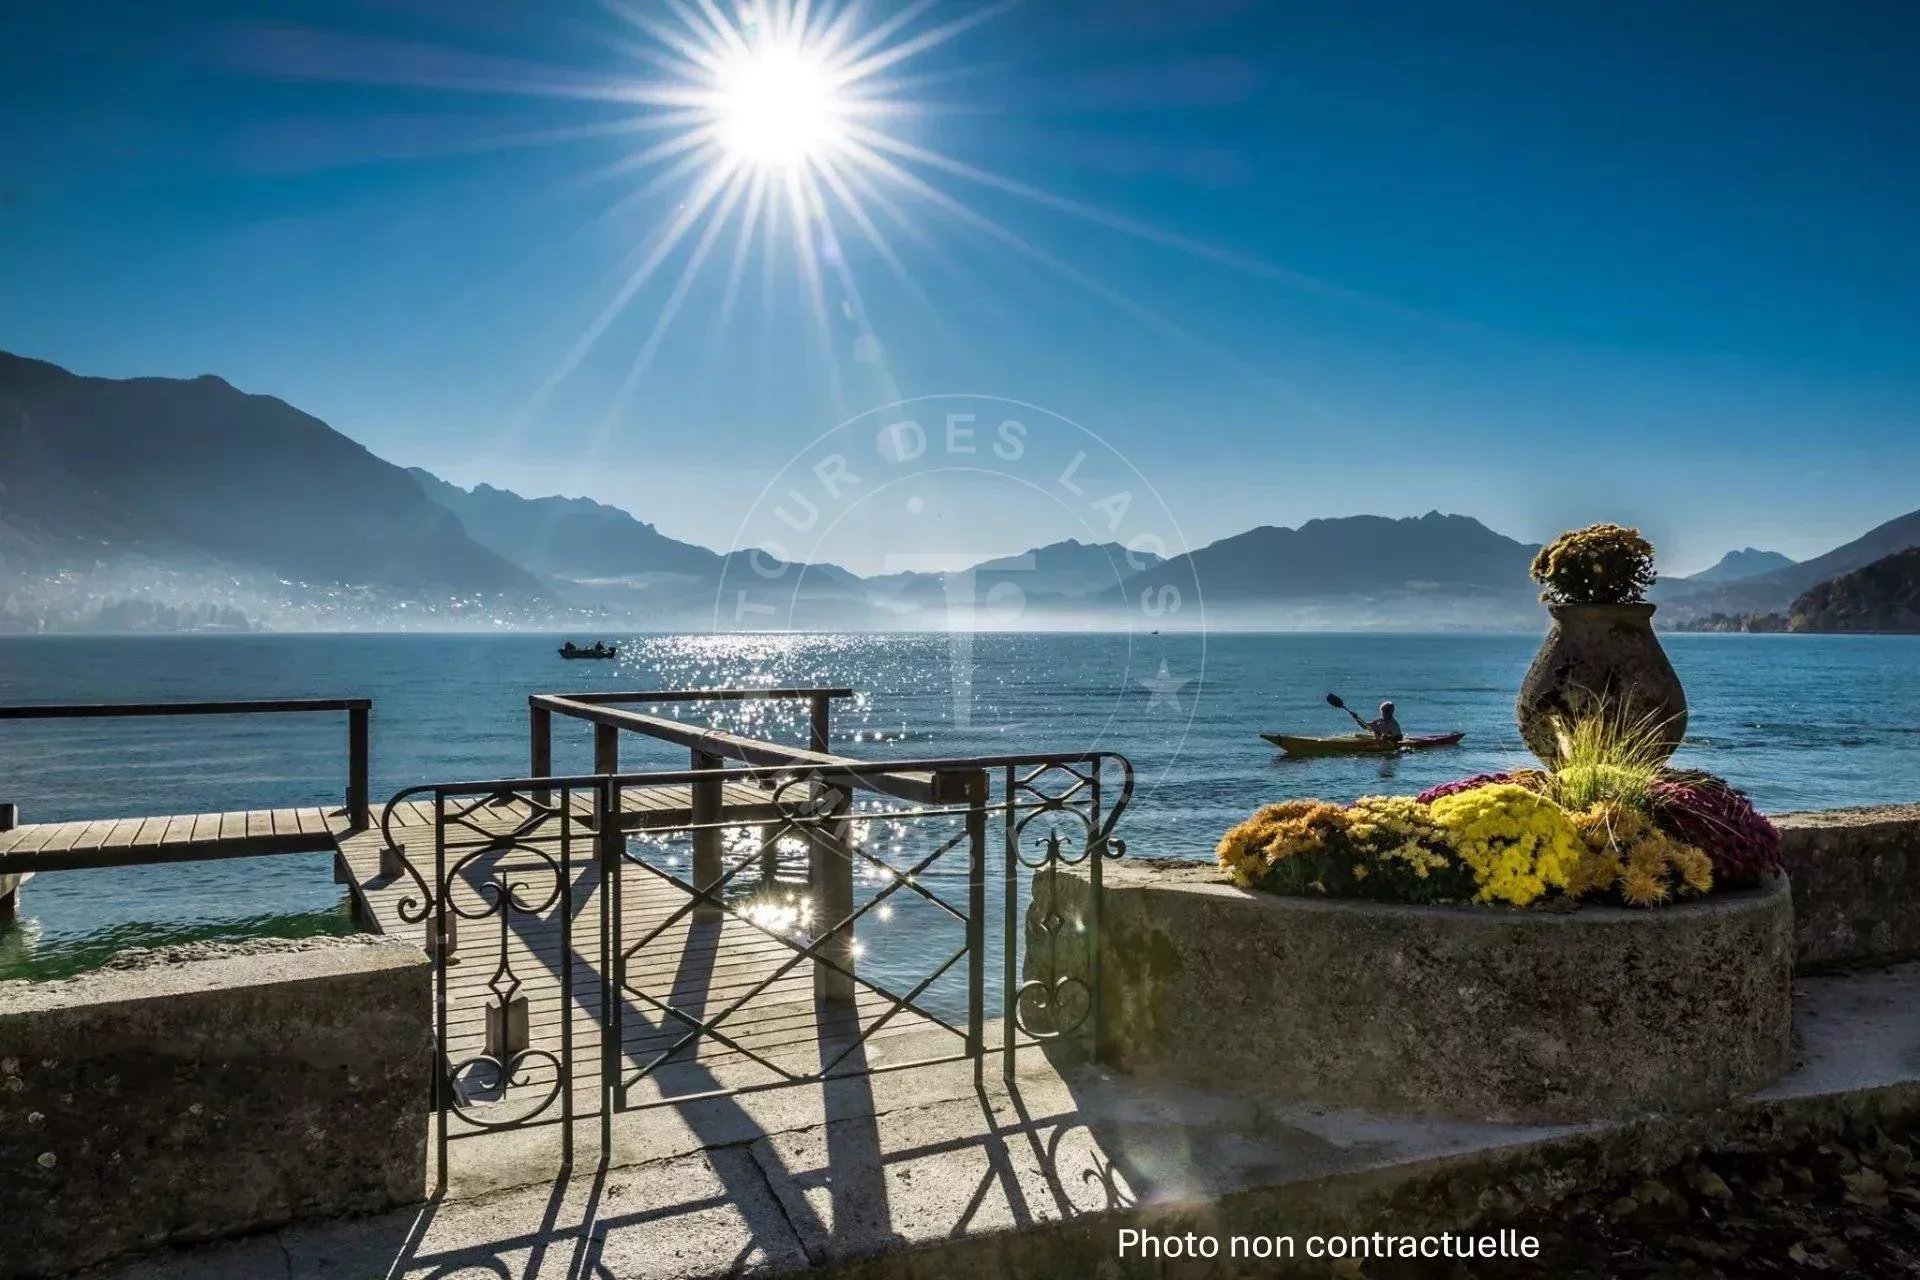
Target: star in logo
1165, 688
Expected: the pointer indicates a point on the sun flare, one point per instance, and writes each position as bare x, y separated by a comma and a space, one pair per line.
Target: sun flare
792, 130
778, 108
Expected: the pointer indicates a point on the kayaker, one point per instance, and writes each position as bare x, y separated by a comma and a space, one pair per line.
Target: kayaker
1386, 727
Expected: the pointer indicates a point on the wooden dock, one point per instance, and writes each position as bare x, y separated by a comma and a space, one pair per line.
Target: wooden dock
187, 837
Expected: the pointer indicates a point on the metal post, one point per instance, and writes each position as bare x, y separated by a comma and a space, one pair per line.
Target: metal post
830, 869
769, 857
613, 986
566, 984
819, 731
1096, 855
609, 1050
438, 935
1010, 976
359, 752
977, 918
9, 883
540, 750
707, 834
608, 843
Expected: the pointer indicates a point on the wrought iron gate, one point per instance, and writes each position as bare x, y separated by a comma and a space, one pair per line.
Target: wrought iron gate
726, 931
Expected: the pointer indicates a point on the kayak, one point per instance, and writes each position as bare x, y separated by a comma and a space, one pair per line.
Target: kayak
1355, 744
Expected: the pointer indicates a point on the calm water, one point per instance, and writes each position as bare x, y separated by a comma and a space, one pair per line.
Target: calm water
1801, 722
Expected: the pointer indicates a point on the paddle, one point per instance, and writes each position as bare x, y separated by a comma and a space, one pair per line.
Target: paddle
1333, 700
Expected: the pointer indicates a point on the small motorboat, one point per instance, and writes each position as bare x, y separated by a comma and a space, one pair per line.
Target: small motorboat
1359, 744
571, 651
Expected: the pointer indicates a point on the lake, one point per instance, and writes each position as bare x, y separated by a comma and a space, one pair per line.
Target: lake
1798, 721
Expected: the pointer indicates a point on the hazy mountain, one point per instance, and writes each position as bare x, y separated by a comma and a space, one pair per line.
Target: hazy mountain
573, 538
194, 471
1882, 596
1055, 573
1747, 562
608, 557
1070, 568
602, 556
1352, 560
1775, 590
191, 495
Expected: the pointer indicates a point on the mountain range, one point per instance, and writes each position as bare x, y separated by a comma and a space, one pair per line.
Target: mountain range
1775, 590
196, 500
567, 538
195, 471
1748, 562
1882, 597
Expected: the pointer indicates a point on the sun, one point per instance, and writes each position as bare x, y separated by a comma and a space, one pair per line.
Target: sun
777, 108
790, 129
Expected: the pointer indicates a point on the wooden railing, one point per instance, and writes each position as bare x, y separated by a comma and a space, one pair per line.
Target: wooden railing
542, 706
359, 727
832, 879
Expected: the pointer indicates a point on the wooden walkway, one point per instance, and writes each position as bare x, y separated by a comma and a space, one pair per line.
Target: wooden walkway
187, 837
699, 968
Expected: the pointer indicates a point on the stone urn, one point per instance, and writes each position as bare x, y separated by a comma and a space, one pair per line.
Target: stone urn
1600, 654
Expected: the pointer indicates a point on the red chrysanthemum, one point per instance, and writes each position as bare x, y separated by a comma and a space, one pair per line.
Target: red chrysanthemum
1722, 822
1463, 784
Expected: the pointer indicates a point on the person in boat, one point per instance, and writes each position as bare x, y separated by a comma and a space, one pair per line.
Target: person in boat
570, 648
599, 648
1386, 727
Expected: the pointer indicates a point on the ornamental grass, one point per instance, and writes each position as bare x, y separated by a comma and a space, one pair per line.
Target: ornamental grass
1610, 754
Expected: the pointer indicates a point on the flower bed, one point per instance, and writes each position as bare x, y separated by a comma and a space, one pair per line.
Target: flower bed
1424, 954
1607, 825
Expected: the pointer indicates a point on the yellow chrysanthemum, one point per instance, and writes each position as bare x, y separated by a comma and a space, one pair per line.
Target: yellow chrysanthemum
1642, 889
1695, 867
1519, 844
1625, 850
1292, 828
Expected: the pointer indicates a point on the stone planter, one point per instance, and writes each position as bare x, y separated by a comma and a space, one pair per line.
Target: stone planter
1607, 652
1471, 1013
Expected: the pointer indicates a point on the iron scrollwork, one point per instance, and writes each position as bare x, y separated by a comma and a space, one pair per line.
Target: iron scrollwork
1059, 992
509, 1056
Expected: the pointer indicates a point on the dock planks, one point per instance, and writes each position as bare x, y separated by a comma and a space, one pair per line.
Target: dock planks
121, 842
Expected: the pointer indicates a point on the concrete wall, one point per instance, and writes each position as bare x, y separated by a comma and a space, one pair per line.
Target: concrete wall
1856, 884
203, 1091
1471, 1013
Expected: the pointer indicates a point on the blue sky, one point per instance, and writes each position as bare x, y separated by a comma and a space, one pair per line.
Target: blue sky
1538, 264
